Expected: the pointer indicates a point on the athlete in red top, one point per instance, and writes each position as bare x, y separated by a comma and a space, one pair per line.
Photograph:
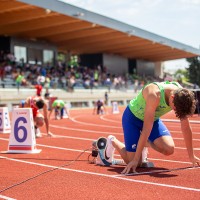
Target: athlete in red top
37, 103
38, 89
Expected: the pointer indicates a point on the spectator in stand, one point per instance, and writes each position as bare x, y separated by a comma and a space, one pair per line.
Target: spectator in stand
20, 80
47, 84
116, 83
2, 72
136, 84
41, 80
108, 82
8, 68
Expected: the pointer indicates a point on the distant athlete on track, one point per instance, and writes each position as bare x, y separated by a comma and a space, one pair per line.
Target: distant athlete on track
37, 103
99, 107
142, 124
59, 108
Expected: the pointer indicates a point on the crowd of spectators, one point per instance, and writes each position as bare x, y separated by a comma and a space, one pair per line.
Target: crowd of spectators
62, 75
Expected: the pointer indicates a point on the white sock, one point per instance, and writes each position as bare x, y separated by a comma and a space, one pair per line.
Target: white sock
110, 149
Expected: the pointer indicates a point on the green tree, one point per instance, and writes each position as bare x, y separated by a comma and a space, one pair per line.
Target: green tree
182, 75
194, 70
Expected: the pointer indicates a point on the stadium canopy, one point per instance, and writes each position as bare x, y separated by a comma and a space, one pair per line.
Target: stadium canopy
79, 31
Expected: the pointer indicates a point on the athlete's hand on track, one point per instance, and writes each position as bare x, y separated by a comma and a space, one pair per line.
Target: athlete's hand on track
130, 166
49, 134
195, 161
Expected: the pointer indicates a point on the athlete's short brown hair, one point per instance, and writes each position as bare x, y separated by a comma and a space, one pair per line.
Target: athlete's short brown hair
184, 102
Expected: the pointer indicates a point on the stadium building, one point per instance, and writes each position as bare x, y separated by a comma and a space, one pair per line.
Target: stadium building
39, 30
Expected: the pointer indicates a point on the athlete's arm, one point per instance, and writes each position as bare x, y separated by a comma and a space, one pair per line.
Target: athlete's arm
46, 119
50, 112
52, 108
187, 134
152, 97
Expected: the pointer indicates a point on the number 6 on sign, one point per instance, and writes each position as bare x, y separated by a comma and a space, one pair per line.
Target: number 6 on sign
17, 129
22, 137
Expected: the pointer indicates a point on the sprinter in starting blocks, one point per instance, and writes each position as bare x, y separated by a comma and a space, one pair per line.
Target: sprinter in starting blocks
22, 136
99, 107
143, 126
37, 103
60, 109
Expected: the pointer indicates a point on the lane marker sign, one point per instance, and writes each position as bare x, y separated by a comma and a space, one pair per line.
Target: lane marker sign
22, 136
4, 120
115, 109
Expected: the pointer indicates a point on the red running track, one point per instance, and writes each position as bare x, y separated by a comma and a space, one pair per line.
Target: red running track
53, 174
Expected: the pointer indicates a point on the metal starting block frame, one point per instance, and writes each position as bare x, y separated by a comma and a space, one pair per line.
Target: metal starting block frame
147, 165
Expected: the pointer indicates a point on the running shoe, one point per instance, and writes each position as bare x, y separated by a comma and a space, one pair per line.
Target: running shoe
106, 151
37, 133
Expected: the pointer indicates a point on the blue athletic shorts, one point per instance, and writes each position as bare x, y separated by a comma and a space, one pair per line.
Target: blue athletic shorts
61, 111
132, 127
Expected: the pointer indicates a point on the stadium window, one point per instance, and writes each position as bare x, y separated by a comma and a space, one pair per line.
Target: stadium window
20, 53
48, 56
35, 56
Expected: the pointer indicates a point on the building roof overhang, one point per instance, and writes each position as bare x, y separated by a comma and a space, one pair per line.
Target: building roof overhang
79, 31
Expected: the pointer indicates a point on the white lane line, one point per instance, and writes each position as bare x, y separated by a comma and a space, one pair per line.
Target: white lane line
159, 171
110, 120
124, 178
103, 132
78, 150
179, 132
120, 127
178, 121
6, 198
84, 130
92, 124
163, 119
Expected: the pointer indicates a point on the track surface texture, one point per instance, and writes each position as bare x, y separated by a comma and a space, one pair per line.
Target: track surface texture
62, 171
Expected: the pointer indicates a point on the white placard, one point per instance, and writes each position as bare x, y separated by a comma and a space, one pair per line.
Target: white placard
22, 136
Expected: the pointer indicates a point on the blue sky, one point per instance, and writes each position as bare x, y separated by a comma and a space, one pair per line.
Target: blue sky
178, 20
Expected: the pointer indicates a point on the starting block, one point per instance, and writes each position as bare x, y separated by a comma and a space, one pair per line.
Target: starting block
4, 120
22, 136
146, 165
115, 109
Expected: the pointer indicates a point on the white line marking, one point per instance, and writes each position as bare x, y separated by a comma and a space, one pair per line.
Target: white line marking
103, 132
94, 124
120, 127
158, 171
5, 197
77, 150
110, 120
176, 120
109, 176
84, 130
